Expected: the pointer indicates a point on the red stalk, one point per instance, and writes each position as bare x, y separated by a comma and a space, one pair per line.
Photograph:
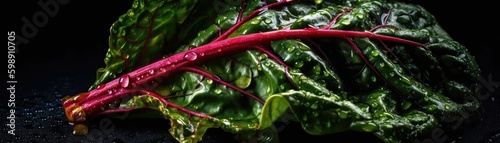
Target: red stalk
78, 107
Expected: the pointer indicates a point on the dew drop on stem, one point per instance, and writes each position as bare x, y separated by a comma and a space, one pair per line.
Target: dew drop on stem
124, 81
101, 86
190, 56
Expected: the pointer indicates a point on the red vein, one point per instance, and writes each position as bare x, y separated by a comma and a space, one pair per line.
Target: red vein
250, 16
146, 43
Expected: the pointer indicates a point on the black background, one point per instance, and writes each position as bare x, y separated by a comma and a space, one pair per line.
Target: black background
61, 59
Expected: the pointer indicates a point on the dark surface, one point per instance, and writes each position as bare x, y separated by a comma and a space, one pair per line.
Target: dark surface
61, 59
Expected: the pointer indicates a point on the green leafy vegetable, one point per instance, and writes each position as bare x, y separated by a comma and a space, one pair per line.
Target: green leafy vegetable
364, 65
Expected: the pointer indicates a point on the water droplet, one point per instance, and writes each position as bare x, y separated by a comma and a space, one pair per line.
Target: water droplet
304, 118
256, 21
374, 79
282, 86
267, 20
210, 81
124, 81
374, 53
373, 104
342, 114
191, 56
369, 127
382, 64
267, 64
101, 86
360, 16
162, 70
219, 49
243, 82
346, 22
168, 62
135, 4
400, 70
290, 49
110, 91
202, 54
447, 107
391, 74
263, 56
406, 104
151, 72
218, 91
299, 64
390, 65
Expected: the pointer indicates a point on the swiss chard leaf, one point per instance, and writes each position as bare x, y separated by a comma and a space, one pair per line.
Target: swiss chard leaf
371, 66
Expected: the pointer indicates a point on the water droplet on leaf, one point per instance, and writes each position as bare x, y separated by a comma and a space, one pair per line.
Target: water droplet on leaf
267, 20
299, 64
374, 53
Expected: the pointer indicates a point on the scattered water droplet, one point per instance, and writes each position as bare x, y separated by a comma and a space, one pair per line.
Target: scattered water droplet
374, 53
218, 91
382, 64
210, 81
267, 20
282, 86
101, 86
256, 21
290, 49
342, 114
299, 64
267, 64
262, 56
243, 82
391, 74
191, 56
124, 81
110, 91
447, 107
360, 16
374, 79
369, 127
219, 49
346, 22
151, 72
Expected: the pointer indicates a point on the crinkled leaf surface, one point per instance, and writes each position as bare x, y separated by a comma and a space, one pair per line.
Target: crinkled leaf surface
330, 85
